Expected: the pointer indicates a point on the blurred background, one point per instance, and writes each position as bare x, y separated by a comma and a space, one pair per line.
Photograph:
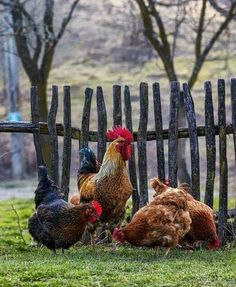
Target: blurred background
90, 43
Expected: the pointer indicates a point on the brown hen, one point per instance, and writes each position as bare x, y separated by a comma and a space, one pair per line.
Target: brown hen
203, 226
163, 222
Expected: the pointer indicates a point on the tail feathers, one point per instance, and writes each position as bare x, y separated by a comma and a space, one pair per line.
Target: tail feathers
185, 186
46, 189
89, 161
158, 185
42, 172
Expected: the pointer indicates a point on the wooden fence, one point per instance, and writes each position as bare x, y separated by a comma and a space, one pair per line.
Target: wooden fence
172, 134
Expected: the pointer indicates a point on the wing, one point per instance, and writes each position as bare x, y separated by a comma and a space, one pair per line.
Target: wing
86, 187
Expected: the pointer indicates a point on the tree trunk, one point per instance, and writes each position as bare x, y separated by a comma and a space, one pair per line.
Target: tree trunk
11, 83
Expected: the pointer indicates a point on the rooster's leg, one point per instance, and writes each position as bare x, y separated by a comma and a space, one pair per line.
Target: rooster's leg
54, 252
62, 251
92, 235
156, 250
113, 243
167, 251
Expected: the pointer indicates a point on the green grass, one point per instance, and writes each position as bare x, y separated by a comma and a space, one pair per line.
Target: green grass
28, 265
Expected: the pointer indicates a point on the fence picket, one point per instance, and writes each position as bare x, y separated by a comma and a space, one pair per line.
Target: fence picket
141, 143
223, 191
194, 147
132, 164
66, 159
210, 145
117, 110
159, 131
173, 132
84, 136
35, 122
233, 104
102, 125
53, 135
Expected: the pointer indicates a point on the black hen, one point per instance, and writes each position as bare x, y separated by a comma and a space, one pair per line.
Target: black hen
57, 223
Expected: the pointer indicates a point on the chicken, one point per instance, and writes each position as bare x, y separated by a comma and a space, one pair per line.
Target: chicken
163, 222
203, 226
57, 223
110, 186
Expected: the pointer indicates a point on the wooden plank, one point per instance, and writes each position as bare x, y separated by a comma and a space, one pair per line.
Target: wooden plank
117, 110
233, 104
27, 127
194, 147
102, 125
35, 122
53, 136
66, 159
223, 188
84, 136
141, 143
210, 145
132, 163
159, 132
173, 132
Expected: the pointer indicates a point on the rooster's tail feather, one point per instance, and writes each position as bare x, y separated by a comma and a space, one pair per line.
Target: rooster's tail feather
89, 162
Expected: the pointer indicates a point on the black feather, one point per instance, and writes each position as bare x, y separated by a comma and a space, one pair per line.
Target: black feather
88, 163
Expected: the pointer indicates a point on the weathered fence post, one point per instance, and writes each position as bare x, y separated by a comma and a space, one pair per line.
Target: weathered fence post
102, 124
53, 136
194, 148
159, 132
132, 164
66, 160
233, 104
84, 135
141, 143
223, 192
173, 133
210, 145
35, 121
117, 110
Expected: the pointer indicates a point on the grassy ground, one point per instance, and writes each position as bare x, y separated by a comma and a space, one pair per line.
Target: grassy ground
23, 264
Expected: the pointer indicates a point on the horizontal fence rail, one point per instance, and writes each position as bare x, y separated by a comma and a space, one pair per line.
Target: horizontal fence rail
28, 127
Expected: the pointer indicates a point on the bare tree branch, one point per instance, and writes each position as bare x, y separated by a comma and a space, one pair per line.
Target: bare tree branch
178, 23
161, 45
200, 60
218, 8
66, 21
198, 45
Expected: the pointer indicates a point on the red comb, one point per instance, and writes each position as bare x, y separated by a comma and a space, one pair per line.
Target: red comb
97, 207
118, 131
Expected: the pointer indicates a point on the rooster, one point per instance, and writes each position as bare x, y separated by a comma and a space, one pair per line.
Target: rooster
110, 186
203, 226
163, 222
57, 223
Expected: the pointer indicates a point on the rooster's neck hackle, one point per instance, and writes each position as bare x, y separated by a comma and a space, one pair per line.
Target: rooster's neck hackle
112, 162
